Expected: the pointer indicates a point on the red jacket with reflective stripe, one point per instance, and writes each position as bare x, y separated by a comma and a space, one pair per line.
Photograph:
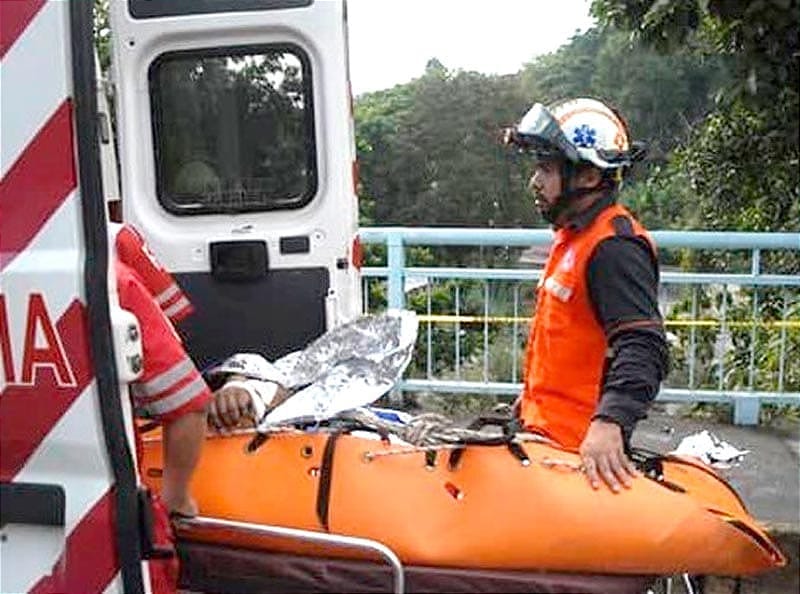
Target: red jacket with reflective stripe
132, 251
170, 384
567, 346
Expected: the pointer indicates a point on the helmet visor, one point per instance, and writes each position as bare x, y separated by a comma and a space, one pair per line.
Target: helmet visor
530, 145
540, 133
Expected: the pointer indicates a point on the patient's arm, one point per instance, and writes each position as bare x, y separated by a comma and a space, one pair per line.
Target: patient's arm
234, 405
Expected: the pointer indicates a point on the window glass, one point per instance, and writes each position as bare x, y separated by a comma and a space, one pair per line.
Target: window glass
234, 130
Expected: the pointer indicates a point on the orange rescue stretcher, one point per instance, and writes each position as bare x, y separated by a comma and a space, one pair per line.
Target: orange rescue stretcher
520, 506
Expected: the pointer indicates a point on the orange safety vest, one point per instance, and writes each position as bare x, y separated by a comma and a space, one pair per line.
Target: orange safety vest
567, 348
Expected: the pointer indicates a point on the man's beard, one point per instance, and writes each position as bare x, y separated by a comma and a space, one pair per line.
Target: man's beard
548, 211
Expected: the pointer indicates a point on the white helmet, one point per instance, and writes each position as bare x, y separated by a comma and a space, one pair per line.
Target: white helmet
578, 130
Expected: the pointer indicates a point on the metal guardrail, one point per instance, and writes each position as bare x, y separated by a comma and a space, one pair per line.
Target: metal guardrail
727, 288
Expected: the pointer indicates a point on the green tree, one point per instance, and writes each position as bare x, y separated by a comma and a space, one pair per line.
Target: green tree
661, 96
429, 151
739, 167
102, 34
762, 39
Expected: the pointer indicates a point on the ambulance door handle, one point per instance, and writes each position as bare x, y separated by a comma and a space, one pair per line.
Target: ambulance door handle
35, 504
239, 261
128, 353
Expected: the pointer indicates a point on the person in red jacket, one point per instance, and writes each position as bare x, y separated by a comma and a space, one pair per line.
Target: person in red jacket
170, 389
596, 350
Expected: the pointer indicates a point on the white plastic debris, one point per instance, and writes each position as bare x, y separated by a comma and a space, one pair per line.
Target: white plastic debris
710, 449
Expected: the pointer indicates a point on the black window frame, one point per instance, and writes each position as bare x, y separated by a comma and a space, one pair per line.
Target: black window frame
156, 118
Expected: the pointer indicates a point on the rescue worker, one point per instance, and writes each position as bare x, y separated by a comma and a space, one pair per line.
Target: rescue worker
170, 389
596, 351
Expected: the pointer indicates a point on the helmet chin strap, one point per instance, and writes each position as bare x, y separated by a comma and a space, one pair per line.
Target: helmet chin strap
565, 206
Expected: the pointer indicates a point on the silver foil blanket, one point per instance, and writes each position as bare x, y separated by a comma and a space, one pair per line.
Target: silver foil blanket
350, 366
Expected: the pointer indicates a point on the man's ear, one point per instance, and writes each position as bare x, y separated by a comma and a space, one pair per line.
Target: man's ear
588, 176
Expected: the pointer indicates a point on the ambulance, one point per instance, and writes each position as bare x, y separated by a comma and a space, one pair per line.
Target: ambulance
228, 144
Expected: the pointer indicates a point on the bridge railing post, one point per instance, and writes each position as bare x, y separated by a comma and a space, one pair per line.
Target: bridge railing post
747, 409
396, 260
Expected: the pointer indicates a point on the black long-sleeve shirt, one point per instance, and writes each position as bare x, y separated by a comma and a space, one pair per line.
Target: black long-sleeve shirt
622, 277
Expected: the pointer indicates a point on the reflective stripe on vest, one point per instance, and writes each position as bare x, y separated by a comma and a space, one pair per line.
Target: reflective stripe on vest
567, 345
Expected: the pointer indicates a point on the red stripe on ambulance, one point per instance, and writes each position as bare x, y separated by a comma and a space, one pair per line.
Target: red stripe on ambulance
92, 563
47, 396
37, 184
46, 371
14, 19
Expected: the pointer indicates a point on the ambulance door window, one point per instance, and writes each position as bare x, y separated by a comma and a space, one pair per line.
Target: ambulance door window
144, 9
233, 130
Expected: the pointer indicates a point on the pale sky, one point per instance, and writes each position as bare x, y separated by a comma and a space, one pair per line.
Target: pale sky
392, 40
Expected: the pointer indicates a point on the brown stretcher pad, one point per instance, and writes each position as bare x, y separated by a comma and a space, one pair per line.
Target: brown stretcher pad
215, 569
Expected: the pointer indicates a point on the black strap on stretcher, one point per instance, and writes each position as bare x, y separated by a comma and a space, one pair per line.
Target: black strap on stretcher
325, 479
339, 428
651, 465
510, 427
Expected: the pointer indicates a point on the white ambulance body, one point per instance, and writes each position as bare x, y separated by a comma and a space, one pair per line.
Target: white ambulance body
236, 155
235, 123
69, 512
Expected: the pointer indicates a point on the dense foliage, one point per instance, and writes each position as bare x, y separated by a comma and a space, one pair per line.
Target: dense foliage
711, 86
429, 150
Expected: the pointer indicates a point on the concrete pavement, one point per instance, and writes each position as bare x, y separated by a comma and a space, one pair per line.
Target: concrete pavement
767, 479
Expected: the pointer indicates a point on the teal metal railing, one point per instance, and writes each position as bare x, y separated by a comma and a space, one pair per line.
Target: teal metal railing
735, 335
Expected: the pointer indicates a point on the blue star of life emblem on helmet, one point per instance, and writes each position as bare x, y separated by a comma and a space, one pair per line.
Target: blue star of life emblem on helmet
584, 136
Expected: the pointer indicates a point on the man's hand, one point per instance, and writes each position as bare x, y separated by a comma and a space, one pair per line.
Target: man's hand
603, 456
232, 407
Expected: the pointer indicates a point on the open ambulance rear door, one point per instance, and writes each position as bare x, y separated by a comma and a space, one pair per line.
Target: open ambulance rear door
68, 493
237, 161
